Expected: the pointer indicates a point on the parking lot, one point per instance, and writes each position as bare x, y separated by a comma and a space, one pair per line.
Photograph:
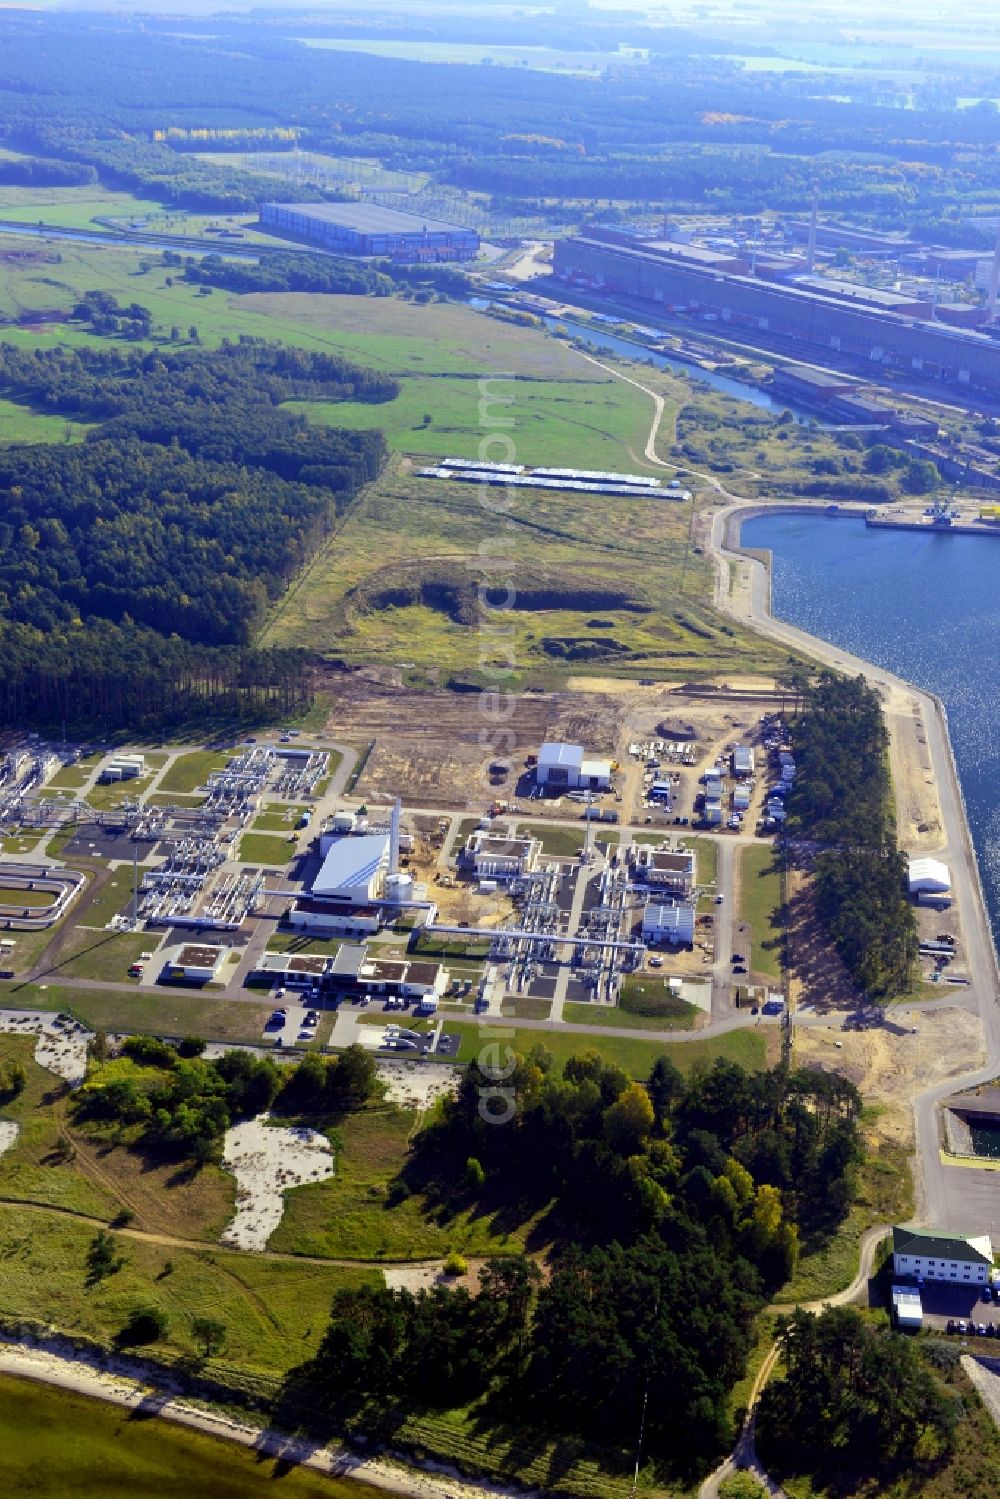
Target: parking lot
952, 1303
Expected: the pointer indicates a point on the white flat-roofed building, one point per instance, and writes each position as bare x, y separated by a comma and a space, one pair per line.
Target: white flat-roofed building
668, 923
354, 870
198, 963
491, 856
666, 868
741, 798
936, 1254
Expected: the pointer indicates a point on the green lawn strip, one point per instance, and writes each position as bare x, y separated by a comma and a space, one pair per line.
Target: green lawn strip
70, 776
274, 1313
557, 841
676, 1016
29, 900
166, 1011
707, 857
357, 1215
190, 771
527, 1007
113, 898
295, 942
184, 799
278, 819
760, 903
262, 848
106, 796
636, 1056
50, 1433
884, 1195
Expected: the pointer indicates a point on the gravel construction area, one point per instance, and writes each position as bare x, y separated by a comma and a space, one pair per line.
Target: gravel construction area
266, 1161
8, 1134
417, 1085
62, 1048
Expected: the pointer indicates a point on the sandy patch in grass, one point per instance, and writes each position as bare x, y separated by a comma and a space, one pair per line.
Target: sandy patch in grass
266, 1161
8, 1134
61, 1045
417, 1085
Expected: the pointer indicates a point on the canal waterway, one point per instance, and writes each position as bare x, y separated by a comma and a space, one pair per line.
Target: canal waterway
924, 605
610, 343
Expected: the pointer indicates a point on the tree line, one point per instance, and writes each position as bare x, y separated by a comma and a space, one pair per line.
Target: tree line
842, 800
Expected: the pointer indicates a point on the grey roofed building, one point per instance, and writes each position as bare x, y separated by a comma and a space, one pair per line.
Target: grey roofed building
368, 229
348, 961
936, 1244
370, 218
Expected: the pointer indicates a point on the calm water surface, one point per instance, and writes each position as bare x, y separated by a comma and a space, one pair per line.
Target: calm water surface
925, 606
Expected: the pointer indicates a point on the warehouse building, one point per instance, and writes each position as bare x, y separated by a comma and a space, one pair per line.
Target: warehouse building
367, 229
936, 1254
563, 767
849, 327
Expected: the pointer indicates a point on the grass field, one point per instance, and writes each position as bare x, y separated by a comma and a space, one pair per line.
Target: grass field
262, 848
100, 955
397, 584
165, 1012
760, 903
60, 1444
277, 819
274, 1312
636, 1056
581, 422
22, 424
190, 770
356, 1215
682, 1018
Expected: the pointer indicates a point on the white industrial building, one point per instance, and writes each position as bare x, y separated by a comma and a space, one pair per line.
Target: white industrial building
490, 856
935, 1254
666, 868
929, 879
563, 766
668, 923
354, 871
326, 920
